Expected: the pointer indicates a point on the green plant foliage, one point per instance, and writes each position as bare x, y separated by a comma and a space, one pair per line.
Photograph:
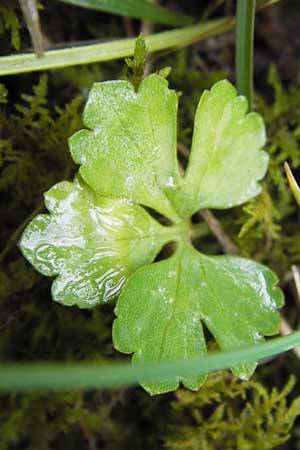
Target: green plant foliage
33, 328
261, 210
293, 183
23, 134
180, 292
267, 225
9, 21
119, 115
41, 421
118, 419
92, 242
31, 160
282, 120
241, 416
129, 152
3, 93
221, 173
137, 63
107, 51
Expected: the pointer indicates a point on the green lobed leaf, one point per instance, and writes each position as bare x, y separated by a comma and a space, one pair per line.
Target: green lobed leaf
98, 234
92, 243
133, 142
226, 161
163, 306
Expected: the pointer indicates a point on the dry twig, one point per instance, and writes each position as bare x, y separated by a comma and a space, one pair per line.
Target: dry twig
226, 243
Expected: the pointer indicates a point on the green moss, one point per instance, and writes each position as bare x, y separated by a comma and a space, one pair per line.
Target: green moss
10, 23
136, 64
232, 415
272, 222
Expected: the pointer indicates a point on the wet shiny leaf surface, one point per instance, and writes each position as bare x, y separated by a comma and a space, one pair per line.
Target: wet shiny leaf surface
161, 311
98, 233
131, 151
92, 243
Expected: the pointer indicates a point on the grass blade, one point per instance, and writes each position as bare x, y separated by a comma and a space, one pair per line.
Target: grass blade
138, 9
30, 377
262, 3
54, 59
294, 186
244, 48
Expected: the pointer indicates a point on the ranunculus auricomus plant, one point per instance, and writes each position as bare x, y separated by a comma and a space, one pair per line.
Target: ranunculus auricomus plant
99, 240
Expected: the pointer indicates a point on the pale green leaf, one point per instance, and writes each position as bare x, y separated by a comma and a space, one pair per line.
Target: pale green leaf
226, 160
131, 151
98, 234
163, 306
92, 243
